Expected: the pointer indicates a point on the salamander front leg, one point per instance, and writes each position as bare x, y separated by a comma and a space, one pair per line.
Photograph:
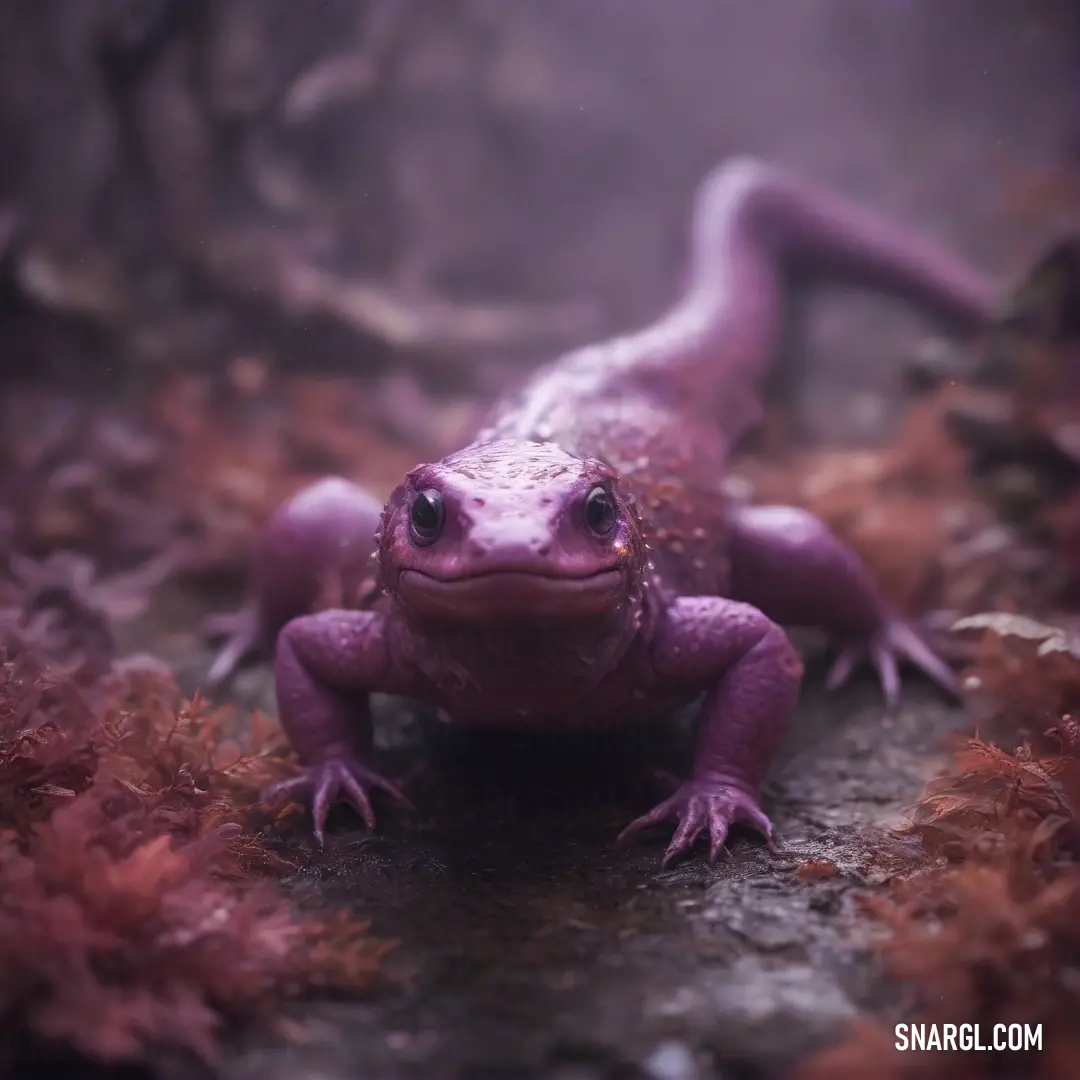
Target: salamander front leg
751, 675
326, 666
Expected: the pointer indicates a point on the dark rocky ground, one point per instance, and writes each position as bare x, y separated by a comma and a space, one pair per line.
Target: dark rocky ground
532, 948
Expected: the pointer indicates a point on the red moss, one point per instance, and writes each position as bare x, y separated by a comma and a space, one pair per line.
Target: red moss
984, 928
910, 509
49, 740
815, 870
191, 466
979, 945
132, 917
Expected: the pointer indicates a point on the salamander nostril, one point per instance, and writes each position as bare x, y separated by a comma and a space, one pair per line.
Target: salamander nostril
543, 549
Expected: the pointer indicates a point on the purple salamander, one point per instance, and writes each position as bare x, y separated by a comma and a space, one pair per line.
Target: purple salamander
579, 564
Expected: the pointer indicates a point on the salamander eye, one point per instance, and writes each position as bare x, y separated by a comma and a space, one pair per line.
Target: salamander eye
600, 513
427, 516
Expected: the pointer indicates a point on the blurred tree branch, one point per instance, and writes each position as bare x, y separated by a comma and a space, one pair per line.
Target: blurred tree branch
182, 168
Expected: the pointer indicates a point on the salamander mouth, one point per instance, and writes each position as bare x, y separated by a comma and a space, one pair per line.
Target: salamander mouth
512, 595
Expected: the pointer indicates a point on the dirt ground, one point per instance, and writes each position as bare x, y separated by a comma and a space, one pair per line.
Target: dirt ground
532, 949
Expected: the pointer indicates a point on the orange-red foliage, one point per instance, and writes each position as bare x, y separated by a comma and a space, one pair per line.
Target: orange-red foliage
815, 870
132, 916
192, 465
986, 928
910, 509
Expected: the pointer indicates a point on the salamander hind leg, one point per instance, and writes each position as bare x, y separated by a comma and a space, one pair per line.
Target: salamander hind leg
317, 545
788, 563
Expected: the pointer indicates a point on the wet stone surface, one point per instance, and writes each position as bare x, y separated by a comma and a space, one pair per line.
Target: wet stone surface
531, 948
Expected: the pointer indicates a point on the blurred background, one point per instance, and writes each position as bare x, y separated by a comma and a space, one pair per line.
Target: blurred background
445, 191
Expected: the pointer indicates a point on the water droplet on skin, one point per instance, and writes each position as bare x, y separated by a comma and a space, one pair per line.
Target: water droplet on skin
699, 563
698, 533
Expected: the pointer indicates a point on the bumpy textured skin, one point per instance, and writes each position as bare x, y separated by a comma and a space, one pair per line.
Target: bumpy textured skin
514, 610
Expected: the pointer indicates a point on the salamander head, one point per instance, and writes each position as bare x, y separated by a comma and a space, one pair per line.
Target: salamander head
511, 533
